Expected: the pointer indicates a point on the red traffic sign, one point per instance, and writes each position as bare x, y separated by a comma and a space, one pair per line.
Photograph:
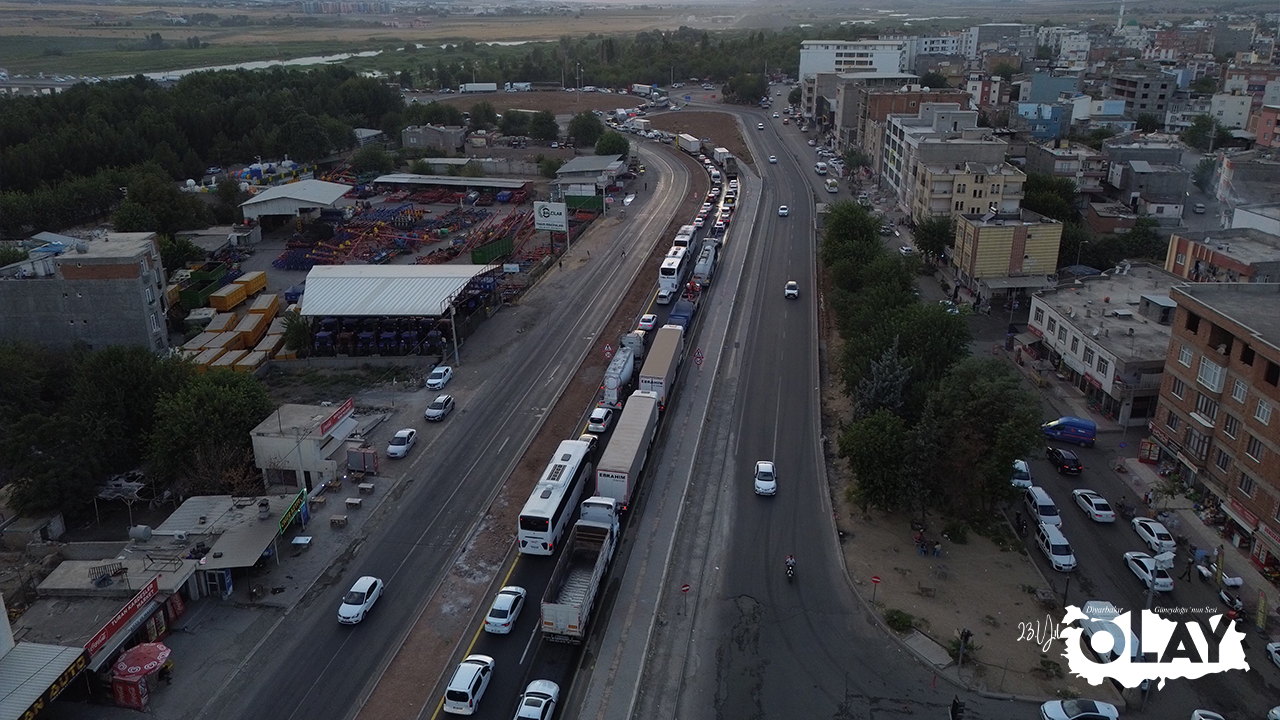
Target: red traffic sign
684, 588
875, 579
698, 353
697, 360
608, 354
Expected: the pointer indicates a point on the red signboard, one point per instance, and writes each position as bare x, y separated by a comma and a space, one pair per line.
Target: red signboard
56, 687
1244, 513
1272, 535
123, 617
338, 416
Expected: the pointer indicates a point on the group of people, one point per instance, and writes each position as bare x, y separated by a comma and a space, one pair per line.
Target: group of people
923, 546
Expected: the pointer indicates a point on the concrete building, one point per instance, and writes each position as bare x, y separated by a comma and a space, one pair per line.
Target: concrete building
304, 446
1142, 92
1234, 255
865, 104
1264, 217
966, 187
986, 90
1044, 121
1216, 418
1231, 110
939, 134
938, 45
835, 91
1108, 335
1177, 43
105, 291
1013, 38
953, 68
845, 56
1250, 79
1110, 218
293, 200
1266, 127
1156, 190
1049, 88
1081, 163
1006, 254
1085, 108
449, 138
1166, 151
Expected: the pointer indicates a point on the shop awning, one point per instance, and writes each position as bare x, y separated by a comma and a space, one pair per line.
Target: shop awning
1226, 508
108, 651
1073, 363
32, 675
1028, 339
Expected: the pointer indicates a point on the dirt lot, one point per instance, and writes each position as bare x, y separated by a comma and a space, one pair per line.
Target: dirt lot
558, 102
720, 127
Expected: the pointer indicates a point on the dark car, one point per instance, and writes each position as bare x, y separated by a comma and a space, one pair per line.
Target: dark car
1064, 461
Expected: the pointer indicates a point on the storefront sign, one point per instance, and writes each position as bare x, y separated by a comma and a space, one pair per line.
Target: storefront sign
1244, 515
293, 509
126, 614
57, 686
1035, 331
338, 416
1272, 535
1163, 437
1093, 381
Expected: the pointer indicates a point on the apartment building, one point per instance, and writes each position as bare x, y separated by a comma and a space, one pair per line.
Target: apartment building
939, 134
1231, 110
1085, 166
1006, 254
967, 187
1014, 38
1250, 80
1216, 418
1143, 92
1234, 255
864, 108
1266, 126
108, 290
846, 56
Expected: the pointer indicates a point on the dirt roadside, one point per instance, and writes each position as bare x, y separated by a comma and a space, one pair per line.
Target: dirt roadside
422, 660
706, 124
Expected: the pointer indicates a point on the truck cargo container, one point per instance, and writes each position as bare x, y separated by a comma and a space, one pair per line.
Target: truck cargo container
253, 282
659, 372
731, 168
519, 87
478, 87
641, 125
618, 472
688, 143
720, 155
579, 574
642, 90
617, 378
705, 267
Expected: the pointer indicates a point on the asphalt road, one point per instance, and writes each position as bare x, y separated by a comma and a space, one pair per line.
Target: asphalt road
312, 667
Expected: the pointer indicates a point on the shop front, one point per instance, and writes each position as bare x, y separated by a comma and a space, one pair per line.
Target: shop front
144, 620
1266, 553
1173, 463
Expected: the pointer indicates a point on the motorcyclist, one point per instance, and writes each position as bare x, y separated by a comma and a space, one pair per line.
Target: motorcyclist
791, 563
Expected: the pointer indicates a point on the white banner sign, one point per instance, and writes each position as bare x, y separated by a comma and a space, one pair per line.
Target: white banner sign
550, 216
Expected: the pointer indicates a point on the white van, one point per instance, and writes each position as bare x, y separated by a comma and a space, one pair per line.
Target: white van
820, 168
1055, 547
1041, 506
715, 176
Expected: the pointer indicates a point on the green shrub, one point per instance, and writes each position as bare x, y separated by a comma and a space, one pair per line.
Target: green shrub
899, 621
957, 531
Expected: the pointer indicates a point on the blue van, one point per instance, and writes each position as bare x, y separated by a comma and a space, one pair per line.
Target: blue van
1073, 430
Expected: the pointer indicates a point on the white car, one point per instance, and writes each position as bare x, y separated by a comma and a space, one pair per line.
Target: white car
468, 684
1144, 566
773, 159
504, 611
906, 251
766, 481
1094, 505
600, 420
706, 208
1273, 652
792, 290
812, 143
1021, 475
439, 377
1078, 709
1154, 535
538, 701
647, 322
665, 296
719, 225
1205, 715
783, 211
775, 114
402, 442
759, 126
1274, 714
439, 408
359, 600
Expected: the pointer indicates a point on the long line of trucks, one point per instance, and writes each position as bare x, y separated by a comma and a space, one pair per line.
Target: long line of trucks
658, 375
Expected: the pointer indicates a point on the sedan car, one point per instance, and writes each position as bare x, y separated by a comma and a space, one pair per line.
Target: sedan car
402, 442
786, 121
792, 291
775, 114
783, 211
504, 611
1154, 535
538, 701
905, 250
1274, 714
773, 159
812, 143
1065, 462
1144, 566
700, 221
1078, 709
359, 600
759, 126
439, 377
600, 420
1205, 715
1273, 652
647, 322
439, 408
706, 208
766, 482
1021, 478
719, 225
1094, 505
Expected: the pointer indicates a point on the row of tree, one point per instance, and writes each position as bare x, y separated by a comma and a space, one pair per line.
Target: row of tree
932, 428
70, 419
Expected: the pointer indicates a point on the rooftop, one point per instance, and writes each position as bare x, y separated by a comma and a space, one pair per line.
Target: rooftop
312, 191
1245, 303
1143, 166
448, 180
293, 420
104, 245
1105, 307
1113, 210
589, 164
1022, 217
27, 671
377, 290
973, 168
1070, 149
1267, 210
1245, 245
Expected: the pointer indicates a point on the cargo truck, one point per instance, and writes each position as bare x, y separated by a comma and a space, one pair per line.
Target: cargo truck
720, 155
579, 574
640, 125
682, 313
617, 378
634, 341
618, 472
519, 87
705, 267
478, 87
731, 168
659, 372
688, 143
642, 90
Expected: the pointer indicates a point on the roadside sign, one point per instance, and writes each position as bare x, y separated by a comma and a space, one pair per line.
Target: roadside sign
608, 351
550, 216
875, 585
684, 588
697, 360
875, 579
698, 353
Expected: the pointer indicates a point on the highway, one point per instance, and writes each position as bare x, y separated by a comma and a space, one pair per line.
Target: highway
309, 666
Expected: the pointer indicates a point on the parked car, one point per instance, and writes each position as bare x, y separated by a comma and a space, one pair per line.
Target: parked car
439, 377
467, 686
600, 420
1199, 209
1055, 547
1205, 715
1080, 431
402, 442
766, 482
1094, 505
359, 600
538, 701
1273, 652
906, 250
504, 610
1144, 567
439, 408
1064, 461
1078, 709
1021, 475
1154, 535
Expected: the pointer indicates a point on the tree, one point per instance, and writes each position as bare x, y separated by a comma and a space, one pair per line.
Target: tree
934, 235
585, 129
613, 143
304, 139
547, 167
795, 96
1148, 122
874, 447
1202, 176
746, 88
372, 158
543, 126
934, 81
1205, 85
10, 255
1044, 52
297, 333
855, 159
883, 386
515, 123
1005, 70
175, 253
1206, 133
1050, 196
483, 116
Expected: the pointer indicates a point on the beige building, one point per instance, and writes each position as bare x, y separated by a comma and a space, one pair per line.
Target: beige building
1006, 254
966, 187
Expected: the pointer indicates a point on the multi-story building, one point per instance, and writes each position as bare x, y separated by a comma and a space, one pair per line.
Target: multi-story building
967, 187
1153, 150
1109, 218
1005, 254
1074, 49
1085, 166
1155, 190
1234, 255
109, 290
939, 45
1049, 87
1261, 216
940, 134
1014, 38
1108, 335
846, 56
863, 109
987, 90
1143, 92
1044, 121
1182, 42
1249, 79
1267, 126
1231, 110
1217, 418
1085, 108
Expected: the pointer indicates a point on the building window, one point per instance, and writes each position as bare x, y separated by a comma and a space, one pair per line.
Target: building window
1178, 388
1053, 325
155, 324
1039, 316
1254, 448
1263, 412
1062, 334
1103, 364
1193, 325
1239, 391
1246, 354
1197, 443
1211, 375
1184, 356
1181, 259
151, 296
1075, 344
1231, 426
1207, 407
1246, 485
1088, 356
1223, 461
1172, 421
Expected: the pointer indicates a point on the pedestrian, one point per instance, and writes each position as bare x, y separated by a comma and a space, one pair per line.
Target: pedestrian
562, 265
646, 186
624, 253
937, 549
1186, 573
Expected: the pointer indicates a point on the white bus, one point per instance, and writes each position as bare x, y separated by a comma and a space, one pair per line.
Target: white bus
546, 514
674, 267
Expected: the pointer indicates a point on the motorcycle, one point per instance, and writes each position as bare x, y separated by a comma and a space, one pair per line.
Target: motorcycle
791, 569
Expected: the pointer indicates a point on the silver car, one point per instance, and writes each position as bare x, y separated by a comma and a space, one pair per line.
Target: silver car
439, 408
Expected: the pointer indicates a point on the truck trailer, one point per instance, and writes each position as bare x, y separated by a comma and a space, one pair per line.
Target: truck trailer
720, 155
688, 143
618, 472
617, 377
659, 372
478, 87
579, 574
